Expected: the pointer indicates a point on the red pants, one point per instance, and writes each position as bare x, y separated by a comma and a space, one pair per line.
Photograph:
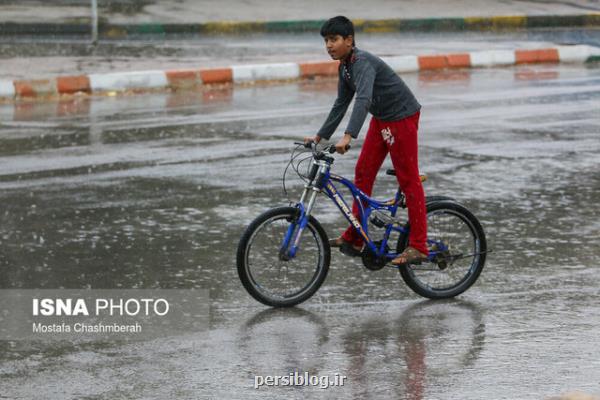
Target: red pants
399, 138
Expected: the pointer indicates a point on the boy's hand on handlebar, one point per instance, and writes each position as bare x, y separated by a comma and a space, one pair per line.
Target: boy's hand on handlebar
310, 139
344, 144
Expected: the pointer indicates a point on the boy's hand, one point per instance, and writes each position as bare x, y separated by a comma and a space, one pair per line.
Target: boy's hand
342, 146
309, 139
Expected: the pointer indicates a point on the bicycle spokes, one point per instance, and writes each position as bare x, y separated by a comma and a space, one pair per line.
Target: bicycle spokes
457, 249
270, 271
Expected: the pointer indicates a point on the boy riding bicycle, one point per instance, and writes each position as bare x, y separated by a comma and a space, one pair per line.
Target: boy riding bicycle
393, 129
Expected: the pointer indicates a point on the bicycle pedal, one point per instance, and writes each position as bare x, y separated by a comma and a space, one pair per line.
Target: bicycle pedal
349, 250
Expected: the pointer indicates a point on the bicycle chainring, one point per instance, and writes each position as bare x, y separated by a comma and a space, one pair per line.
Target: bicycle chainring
371, 261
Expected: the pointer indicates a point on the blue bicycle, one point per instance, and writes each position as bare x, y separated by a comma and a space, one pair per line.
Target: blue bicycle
283, 256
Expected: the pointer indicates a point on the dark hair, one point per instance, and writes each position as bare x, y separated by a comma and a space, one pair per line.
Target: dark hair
339, 25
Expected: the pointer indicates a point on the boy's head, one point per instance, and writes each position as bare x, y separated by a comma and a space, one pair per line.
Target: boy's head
338, 33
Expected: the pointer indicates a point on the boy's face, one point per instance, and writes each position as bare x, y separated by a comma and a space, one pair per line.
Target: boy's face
337, 46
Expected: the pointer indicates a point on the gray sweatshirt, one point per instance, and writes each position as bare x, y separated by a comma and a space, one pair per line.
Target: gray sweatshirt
379, 90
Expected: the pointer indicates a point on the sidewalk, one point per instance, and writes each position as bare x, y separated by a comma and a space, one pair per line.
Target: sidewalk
193, 11
124, 18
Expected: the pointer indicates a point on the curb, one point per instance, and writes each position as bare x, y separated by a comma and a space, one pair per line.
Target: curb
118, 31
248, 74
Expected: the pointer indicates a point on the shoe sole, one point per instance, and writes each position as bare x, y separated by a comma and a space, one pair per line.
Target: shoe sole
414, 262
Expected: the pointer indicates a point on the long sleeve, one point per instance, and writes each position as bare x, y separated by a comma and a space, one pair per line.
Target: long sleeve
364, 78
338, 110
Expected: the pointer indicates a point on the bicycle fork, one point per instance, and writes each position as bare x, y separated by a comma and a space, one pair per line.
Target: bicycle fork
289, 247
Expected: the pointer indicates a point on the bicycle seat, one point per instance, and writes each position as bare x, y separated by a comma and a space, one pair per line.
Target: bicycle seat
392, 172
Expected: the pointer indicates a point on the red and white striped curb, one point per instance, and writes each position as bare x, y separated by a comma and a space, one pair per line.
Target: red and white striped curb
182, 79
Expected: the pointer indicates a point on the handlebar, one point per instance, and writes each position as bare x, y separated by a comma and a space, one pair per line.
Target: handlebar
313, 146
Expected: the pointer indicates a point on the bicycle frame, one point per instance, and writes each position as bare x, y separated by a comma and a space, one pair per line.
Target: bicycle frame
325, 185
361, 225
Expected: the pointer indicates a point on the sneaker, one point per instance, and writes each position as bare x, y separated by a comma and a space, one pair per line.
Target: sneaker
410, 255
346, 247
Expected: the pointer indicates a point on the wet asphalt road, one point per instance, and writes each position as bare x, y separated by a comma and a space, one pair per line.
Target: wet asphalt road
27, 58
154, 191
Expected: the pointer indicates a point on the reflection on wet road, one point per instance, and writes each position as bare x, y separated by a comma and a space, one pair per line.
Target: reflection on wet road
154, 191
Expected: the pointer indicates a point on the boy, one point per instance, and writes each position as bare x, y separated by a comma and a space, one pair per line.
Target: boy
393, 128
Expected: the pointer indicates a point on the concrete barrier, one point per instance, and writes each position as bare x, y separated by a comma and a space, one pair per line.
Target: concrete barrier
244, 74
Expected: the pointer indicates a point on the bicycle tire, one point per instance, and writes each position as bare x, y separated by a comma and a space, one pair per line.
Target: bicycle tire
432, 199
249, 273
474, 246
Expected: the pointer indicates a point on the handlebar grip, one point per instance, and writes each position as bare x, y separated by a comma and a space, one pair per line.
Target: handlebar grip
332, 148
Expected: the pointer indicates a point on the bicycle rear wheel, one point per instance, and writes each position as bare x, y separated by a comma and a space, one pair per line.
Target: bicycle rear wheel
456, 237
270, 279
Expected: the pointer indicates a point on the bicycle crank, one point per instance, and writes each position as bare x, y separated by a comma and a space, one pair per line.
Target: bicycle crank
371, 261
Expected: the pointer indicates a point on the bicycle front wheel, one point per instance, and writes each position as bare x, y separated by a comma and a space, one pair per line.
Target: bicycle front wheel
456, 238
270, 278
